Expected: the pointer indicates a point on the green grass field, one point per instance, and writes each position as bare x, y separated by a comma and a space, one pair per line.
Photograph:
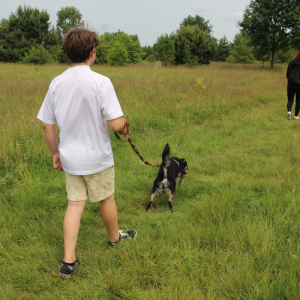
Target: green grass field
234, 233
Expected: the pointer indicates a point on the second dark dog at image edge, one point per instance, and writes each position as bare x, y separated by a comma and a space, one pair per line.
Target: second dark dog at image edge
169, 170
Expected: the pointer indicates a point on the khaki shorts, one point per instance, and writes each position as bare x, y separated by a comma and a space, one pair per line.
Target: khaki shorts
95, 187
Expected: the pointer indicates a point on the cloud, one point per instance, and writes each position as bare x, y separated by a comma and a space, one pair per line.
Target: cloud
205, 7
237, 16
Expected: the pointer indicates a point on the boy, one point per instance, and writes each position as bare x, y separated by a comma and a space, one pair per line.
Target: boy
81, 101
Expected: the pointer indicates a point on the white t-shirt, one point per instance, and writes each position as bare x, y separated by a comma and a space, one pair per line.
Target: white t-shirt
80, 101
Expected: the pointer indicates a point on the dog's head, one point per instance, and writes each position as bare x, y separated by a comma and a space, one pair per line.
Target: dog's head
183, 165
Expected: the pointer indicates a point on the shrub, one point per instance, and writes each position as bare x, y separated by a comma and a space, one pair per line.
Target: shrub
37, 55
200, 84
241, 51
151, 58
117, 55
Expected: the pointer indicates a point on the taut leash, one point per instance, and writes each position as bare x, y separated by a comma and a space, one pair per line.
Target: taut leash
126, 132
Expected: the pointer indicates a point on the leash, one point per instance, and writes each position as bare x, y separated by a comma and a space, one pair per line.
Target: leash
126, 132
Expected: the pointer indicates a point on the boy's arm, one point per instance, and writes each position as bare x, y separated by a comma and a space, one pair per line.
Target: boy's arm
51, 138
116, 125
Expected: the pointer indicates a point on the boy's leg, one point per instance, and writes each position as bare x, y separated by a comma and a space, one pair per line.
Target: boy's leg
71, 228
110, 217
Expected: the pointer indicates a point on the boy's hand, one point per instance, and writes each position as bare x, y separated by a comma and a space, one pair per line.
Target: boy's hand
57, 163
118, 125
124, 130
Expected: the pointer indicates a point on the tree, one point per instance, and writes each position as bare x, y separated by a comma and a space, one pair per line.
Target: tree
189, 59
7, 52
271, 24
107, 41
68, 17
132, 45
197, 20
147, 50
285, 56
223, 49
261, 54
295, 34
241, 50
24, 29
200, 43
118, 55
164, 50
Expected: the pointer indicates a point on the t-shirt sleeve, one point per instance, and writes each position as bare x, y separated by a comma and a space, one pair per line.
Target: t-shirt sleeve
110, 105
46, 113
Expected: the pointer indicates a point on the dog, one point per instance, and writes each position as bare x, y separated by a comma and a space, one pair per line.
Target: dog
169, 170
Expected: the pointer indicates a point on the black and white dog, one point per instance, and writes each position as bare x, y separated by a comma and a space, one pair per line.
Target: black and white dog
169, 170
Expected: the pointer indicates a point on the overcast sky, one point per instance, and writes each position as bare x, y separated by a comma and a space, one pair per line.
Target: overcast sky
147, 19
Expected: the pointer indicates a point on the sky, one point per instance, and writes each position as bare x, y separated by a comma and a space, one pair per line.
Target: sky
147, 19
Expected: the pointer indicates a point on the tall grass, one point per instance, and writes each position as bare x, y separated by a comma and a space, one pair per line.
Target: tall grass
235, 230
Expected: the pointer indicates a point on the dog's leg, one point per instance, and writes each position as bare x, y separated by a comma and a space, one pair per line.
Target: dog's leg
181, 178
170, 201
172, 193
151, 201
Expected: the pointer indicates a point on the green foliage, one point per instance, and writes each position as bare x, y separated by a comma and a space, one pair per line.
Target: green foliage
201, 45
29, 23
24, 29
241, 50
147, 50
223, 49
189, 59
131, 44
200, 84
197, 20
151, 58
37, 55
118, 55
271, 24
285, 56
295, 37
103, 48
107, 44
164, 50
57, 54
261, 54
68, 17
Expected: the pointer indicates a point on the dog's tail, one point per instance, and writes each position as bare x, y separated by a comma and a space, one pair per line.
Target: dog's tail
166, 159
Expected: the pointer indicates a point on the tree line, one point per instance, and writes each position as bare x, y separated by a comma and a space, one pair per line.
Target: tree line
270, 31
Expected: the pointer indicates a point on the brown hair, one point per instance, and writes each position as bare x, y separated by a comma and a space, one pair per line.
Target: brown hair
78, 44
297, 56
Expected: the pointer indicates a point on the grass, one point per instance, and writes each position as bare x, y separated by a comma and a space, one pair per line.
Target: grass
235, 230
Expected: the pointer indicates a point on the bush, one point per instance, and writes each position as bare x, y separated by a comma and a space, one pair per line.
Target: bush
37, 55
164, 49
241, 51
117, 55
151, 58
9, 55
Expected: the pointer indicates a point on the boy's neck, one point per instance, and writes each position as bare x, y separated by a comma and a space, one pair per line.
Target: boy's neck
85, 63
